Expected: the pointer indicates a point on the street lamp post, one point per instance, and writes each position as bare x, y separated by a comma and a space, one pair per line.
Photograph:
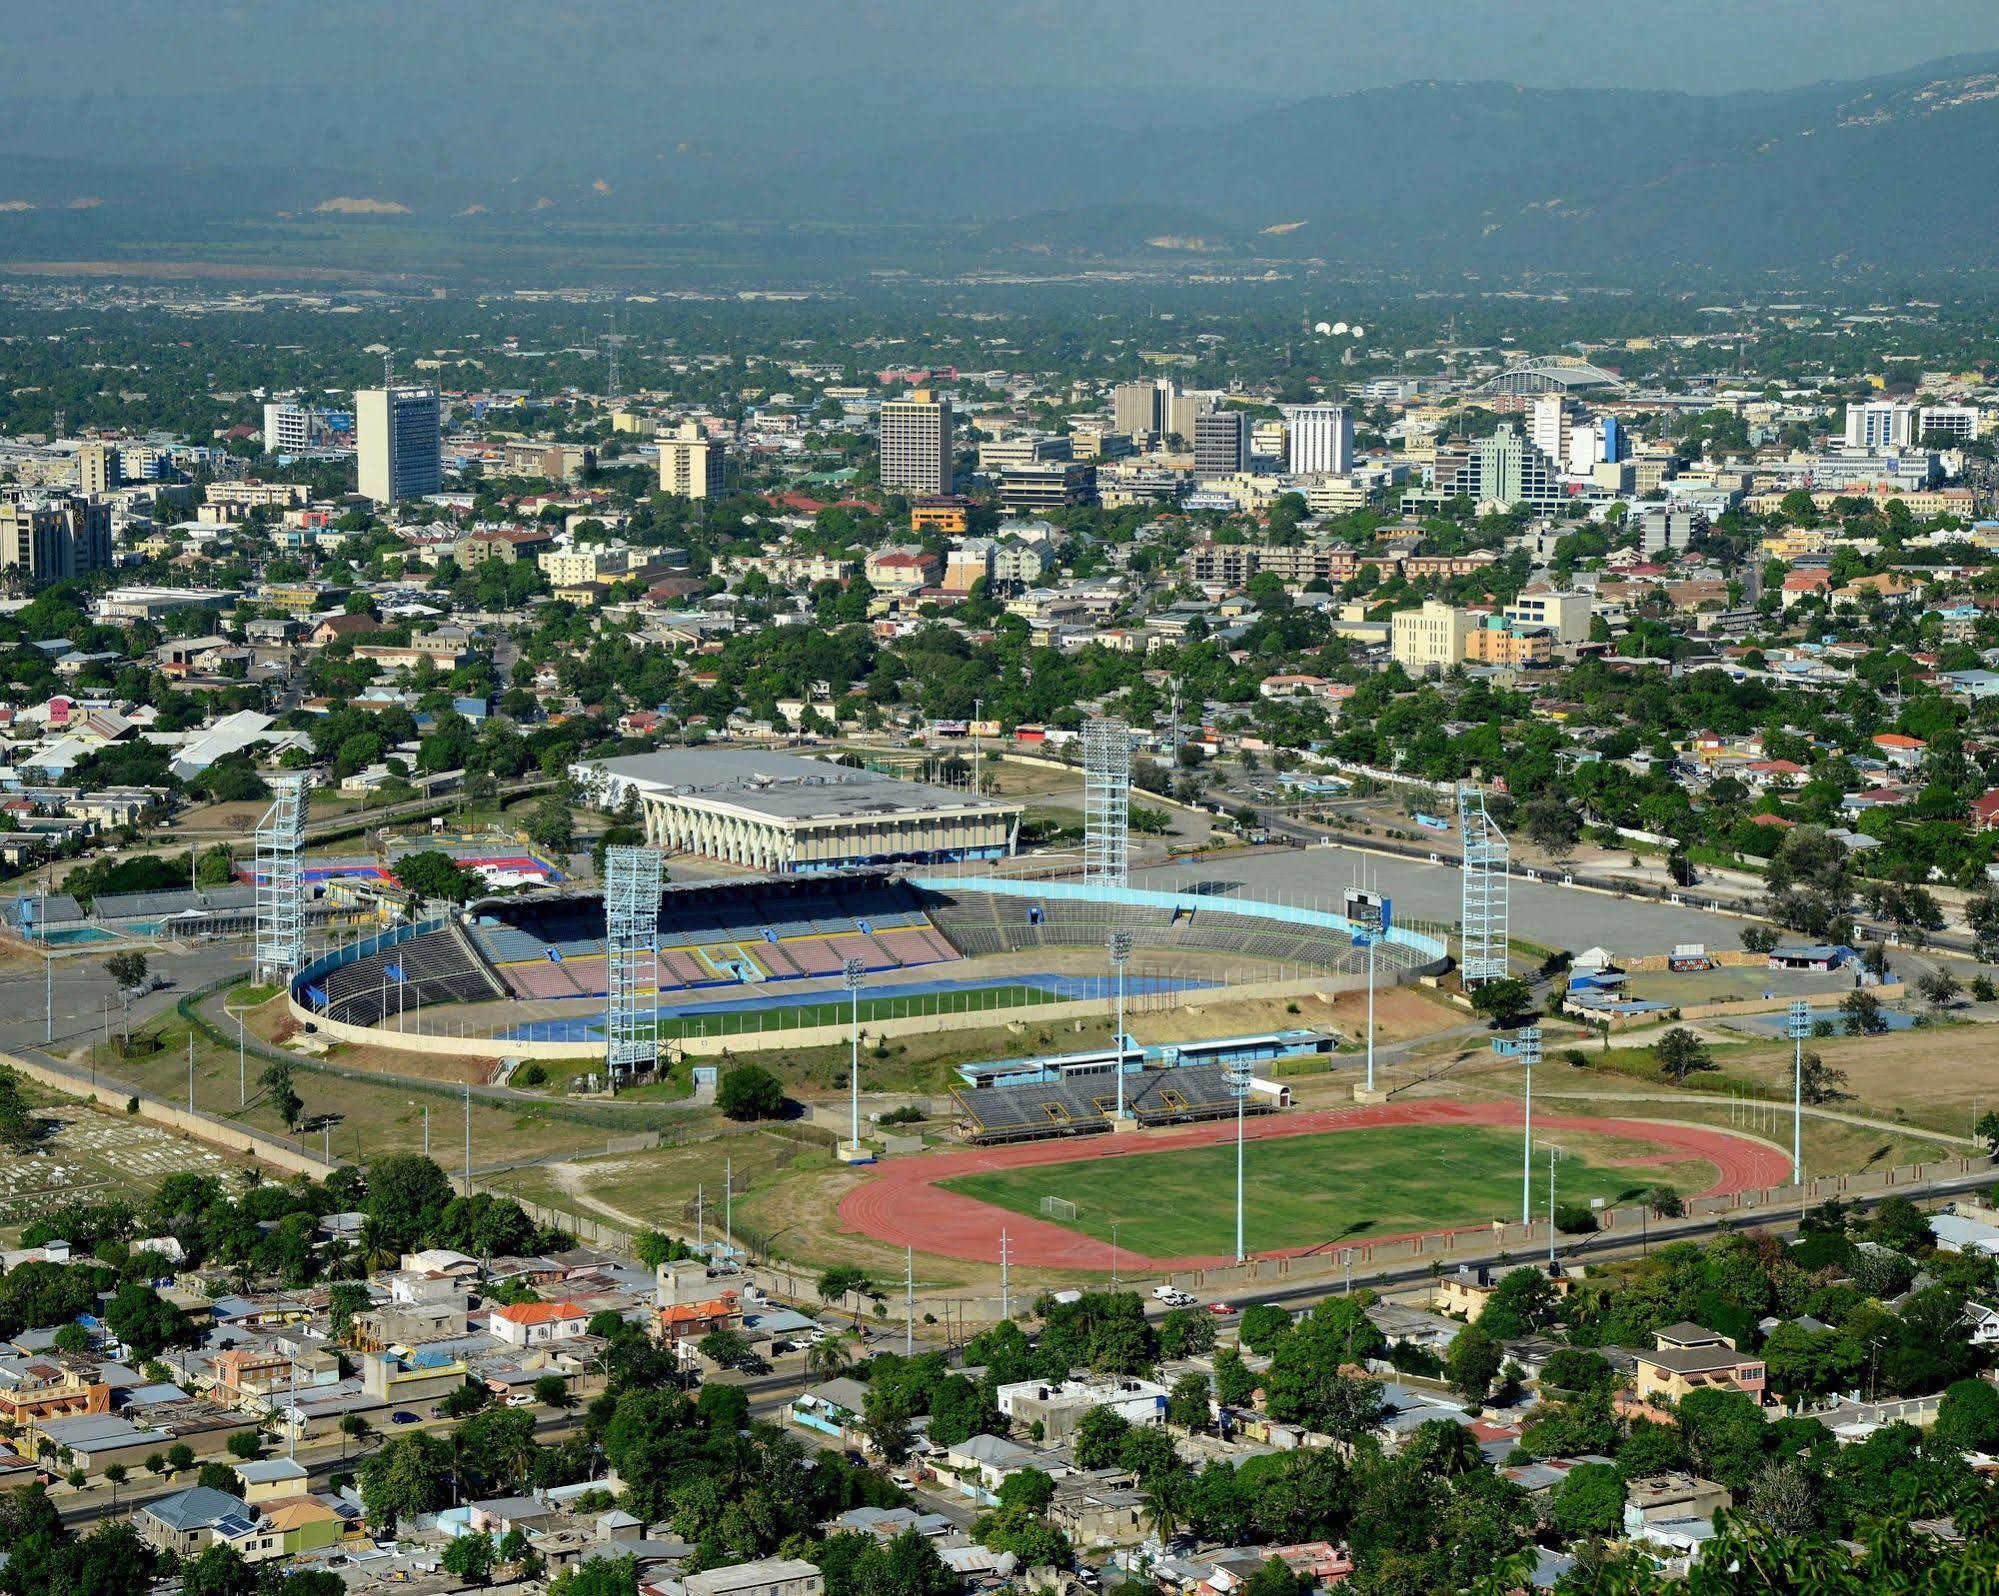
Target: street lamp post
851, 973
1530, 1055
1120, 953
1553, 1153
1799, 1027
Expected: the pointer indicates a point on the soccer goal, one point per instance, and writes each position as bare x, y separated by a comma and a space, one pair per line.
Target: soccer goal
1059, 1208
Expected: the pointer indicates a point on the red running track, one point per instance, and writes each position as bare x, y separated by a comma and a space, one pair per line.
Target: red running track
904, 1205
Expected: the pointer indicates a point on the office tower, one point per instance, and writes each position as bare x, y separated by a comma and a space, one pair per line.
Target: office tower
1953, 421
690, 463
1321, 440
397, 437
1181, 411
287, 428
52, 540
1548, 425
1510, 470
916, 444
1141, 408
98, 469
1221, 443
1880, 425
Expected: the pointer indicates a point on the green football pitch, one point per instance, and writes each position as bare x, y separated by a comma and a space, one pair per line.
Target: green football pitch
1305, 1191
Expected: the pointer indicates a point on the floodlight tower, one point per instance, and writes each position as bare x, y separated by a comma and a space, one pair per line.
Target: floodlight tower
632, 878
1120, 953
1106, 802
1238, 1083
281, 882
850, 975
1798, 1026
1483, 906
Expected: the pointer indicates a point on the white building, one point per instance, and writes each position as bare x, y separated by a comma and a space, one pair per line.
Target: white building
916, 444
690, 463
398, 440
1321, 440
1956, 421
1880, 425
1433, 636
288, 428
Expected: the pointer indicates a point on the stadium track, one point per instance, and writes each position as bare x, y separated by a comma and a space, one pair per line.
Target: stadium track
905, 1206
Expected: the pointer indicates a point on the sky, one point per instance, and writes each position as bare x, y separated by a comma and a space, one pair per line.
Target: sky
1280, 49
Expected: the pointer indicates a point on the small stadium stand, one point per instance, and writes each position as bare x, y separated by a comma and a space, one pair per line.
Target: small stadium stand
1084, 1105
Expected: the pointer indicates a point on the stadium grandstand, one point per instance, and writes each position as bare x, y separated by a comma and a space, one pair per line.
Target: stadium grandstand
1084, 1102
785, 814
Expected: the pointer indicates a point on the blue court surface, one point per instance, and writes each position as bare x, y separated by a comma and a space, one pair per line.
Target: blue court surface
1776, 1024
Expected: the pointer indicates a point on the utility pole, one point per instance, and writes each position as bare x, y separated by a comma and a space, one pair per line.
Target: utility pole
729, 1204
190, 1067
909, 1302
978, 714
1800, 1027
1530, 1055
1553, 1153
851, 973
1006, 1299
426, 1130
48, 963
468, 1139
1238, 1083
1120, 951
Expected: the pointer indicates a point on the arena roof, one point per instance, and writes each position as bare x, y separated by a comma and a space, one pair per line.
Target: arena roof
784, 786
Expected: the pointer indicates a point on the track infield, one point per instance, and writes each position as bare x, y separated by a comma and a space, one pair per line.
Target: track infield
1435, 1165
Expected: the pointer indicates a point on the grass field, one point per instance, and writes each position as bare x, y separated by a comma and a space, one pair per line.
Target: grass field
839, 1011
1309, 1190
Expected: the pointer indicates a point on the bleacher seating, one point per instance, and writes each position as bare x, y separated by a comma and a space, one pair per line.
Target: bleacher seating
1085, 1104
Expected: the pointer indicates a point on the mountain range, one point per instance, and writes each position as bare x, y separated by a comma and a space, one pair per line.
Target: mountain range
1897, 173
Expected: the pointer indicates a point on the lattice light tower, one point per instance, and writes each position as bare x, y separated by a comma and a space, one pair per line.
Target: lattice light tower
631, 940
1106, 802
281, 882
1483, 901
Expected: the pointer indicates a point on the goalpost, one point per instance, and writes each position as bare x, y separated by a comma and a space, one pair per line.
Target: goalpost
1059, 1208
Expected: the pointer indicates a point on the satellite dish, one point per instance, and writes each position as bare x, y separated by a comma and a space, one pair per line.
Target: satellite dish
1360, 332
1338, 327
1323, 328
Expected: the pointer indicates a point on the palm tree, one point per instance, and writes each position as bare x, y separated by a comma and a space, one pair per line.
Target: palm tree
377, 1249
1162, 1506
827, 1357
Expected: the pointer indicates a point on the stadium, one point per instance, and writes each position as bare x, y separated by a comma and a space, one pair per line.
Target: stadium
764, 961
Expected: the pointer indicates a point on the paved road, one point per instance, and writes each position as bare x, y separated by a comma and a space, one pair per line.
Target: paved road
1561, 917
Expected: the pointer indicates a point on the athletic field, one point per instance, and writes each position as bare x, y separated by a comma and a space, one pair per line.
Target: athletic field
1319, 1190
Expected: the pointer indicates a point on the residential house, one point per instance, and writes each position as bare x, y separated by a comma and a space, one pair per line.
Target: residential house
534, 1324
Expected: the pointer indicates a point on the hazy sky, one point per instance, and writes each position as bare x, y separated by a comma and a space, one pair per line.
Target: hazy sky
1284, 48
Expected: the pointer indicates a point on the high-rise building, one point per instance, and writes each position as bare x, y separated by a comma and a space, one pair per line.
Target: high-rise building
1429, 638
690, 463
53, 540
398, 438
1141, 408
1548, 425
98, 469
288, 428
1952, 421
1880, 425
1221, 443
916, 444
1182, 410
1321, 440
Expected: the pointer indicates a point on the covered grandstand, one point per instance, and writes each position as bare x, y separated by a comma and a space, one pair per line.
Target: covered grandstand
1085, 1104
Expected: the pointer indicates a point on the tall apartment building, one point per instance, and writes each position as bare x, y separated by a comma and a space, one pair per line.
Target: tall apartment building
1235, 563
690, 463
288, 427
98, 469
916, 444
1221, 443
1182, 411
1880, 425
1433, 636
398, 437
52, 540
1565, 615
1142, 408
1321, 440
1009, 454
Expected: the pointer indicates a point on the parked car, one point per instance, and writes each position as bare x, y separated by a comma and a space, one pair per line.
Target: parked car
402, 1416
1221, 1310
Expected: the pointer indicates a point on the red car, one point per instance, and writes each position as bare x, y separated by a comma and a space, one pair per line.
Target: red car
1221, 1310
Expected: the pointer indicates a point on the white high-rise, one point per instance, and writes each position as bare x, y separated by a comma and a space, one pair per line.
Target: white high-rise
916, 444
690, 463
287, 428
1880, 425
1321, 440
397, 434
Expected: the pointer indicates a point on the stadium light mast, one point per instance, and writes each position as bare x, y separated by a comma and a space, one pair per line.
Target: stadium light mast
1238, 1083
1554, 1153
851, 973
1799, 1026
1527, 1048
1120, 952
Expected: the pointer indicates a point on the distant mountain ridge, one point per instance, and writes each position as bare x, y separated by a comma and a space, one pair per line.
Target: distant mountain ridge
1897, 172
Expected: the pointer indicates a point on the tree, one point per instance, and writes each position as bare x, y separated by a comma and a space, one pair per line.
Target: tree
471, 1558
1274, 1579
1235, 1381
1522, 1303
1187, 1406
245, 1444
127, 970
1550, 824
1681, 1053
1263, 1324
1099, 1438
433, 874
218, 1571
180, 1458
1820, 1082
146, 1322
409, 1476
1863, 1015
20, 1130
1940, 990
725, 1348
1725, 1432
1500, 1000
552, 1391
115, 1475
603, 1576
847, 1283
1759, 938
1473, 1362
1030, 1489
276, 1080
749, 1091
1968, 1417
550, 824
1589, 1501
345, 1299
